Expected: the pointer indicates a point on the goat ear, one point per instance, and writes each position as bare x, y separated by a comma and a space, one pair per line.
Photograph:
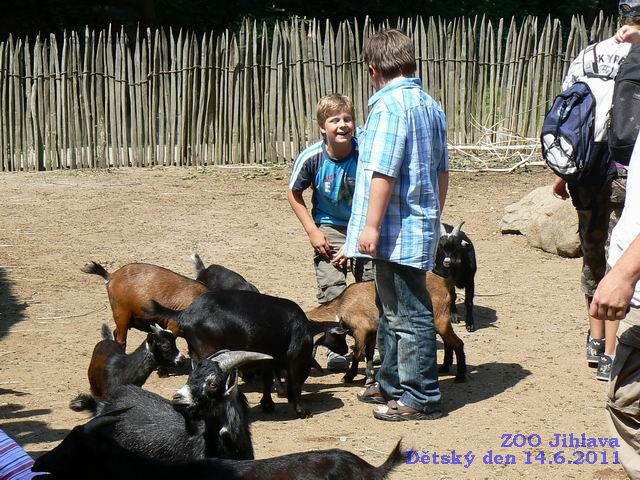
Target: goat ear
338, 330
464, 243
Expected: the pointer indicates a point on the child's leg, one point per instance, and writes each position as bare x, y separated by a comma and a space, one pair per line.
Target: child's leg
409, 371
611, 330
331, 280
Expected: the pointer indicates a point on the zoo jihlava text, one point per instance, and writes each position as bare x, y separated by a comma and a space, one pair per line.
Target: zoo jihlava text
529, 449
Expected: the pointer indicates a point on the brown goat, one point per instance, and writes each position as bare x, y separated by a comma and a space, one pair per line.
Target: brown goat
358, 310
131, 289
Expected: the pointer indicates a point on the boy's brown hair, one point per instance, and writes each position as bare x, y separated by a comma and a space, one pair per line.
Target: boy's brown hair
333, 104
391, 52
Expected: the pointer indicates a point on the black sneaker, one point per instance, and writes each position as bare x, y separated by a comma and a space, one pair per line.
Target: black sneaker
595, 350
604, 368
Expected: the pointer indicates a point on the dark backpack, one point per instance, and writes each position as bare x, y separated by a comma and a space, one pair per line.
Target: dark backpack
574, 131
625, 111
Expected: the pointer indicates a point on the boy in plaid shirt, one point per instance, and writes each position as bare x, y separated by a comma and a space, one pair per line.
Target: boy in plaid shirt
401, 185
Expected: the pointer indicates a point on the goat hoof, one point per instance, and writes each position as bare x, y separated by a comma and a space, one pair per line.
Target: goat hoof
348, 378
303, 413
163, 372
471, 328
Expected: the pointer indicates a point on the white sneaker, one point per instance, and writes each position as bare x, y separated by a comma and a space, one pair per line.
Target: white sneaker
376, 357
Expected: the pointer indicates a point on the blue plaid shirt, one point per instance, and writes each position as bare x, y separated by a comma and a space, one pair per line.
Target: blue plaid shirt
404, 137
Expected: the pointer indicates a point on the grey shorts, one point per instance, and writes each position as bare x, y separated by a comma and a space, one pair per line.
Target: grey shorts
599, 209
332, 280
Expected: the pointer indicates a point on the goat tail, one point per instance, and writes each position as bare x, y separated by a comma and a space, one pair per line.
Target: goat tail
84, 402
395, 458
106, 332
197, 263
95, 268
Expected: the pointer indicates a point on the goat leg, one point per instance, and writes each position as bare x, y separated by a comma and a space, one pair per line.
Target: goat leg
294, 390
358, 350
461, 361
280, 388
266, 403
468, 305
448, 358
370, 376
453, 308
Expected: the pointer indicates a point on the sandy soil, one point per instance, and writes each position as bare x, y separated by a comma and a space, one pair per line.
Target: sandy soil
527, 375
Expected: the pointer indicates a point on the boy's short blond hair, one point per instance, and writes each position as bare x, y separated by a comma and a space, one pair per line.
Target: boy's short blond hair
333, 104
390, 52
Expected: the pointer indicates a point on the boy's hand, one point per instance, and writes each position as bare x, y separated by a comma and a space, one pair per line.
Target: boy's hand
627, 33
339, 259
320, 243
560, 188
368, 241
612, 297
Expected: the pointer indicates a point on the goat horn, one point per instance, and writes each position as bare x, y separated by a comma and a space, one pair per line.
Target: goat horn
456, 229
443, 231
230, 360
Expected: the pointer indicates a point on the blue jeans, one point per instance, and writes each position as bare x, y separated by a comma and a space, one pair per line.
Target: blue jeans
406, 337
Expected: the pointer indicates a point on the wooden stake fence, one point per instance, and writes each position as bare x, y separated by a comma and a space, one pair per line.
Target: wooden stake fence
101, 99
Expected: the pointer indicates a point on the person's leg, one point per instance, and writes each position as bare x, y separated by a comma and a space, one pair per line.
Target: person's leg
618, 195
387, 376
408, 372
331, 281
616, 204
593, 208
624, 395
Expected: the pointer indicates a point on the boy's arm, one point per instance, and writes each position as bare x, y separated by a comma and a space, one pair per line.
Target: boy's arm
318, 240
615, 290
443, 188
381, 190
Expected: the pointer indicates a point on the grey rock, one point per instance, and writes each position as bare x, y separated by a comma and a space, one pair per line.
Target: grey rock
549, 223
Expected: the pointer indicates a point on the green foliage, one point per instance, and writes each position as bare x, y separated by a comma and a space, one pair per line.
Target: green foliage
32, 16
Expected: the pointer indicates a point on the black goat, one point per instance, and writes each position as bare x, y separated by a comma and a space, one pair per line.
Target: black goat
217, 277
111, 367
456, 257
242, 320
89, 452
151, 426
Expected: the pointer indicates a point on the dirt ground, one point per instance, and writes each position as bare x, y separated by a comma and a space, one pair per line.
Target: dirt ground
527, 375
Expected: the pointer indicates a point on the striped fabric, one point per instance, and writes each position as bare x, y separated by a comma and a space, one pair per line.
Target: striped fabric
405, 138
15, 463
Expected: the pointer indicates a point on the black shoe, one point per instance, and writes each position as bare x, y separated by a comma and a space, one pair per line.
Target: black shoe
604, 368
595, 350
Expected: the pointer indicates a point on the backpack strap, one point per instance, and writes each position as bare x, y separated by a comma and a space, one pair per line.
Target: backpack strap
590, 64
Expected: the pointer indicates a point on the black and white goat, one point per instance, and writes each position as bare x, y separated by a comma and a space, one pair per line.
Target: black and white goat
111, 367
456, 257
150, 425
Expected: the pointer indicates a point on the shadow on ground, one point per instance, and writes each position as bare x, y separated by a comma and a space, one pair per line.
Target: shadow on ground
12, 421
483, 317
483, 382
11, 310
